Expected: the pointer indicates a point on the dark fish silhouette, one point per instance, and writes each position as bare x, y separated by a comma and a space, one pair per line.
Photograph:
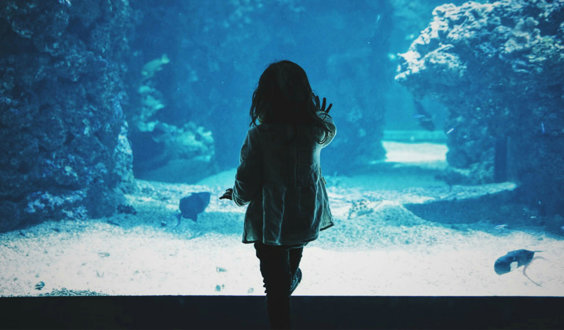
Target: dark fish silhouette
514, 259
193, 204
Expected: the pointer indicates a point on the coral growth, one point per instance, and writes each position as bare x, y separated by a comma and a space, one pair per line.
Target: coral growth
62, 131
499, 68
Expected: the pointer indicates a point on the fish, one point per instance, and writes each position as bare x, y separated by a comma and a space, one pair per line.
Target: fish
151, 67
423, 116
513, 260
193, 204
65, 2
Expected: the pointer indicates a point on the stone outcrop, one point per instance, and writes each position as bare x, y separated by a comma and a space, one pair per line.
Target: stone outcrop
63, 137
499, 68
165, 149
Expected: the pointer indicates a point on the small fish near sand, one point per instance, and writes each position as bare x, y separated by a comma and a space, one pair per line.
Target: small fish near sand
515, 259
192, 205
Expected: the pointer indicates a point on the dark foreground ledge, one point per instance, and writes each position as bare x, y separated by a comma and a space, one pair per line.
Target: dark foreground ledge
310, 312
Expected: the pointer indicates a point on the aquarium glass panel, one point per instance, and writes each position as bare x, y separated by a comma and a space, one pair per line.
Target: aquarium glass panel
122, 124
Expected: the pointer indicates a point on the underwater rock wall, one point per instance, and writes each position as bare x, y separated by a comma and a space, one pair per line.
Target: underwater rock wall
409, 18
63, 137
215, 52
499, 68
171, 116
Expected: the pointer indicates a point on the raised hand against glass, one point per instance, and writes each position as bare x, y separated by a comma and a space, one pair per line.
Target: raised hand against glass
322, 107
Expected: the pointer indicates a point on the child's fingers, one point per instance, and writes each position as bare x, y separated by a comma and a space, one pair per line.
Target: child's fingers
227, 194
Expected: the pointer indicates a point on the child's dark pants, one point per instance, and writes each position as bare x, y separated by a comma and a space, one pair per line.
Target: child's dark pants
278, 265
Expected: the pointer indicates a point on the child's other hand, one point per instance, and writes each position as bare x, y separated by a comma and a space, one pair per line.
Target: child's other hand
322, 107
228, 194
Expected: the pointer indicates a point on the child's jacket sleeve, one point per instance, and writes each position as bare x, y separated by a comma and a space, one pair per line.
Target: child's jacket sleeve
247, 179
332, 128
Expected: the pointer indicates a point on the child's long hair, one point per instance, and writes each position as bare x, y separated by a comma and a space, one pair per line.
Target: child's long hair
283, 95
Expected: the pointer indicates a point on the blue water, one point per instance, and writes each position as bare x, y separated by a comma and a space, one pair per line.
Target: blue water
112, 114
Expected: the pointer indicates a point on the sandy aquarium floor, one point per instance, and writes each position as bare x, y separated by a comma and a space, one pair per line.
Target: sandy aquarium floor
377, 246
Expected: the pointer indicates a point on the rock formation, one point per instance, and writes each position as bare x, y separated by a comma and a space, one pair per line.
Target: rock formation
499, 68
63, 137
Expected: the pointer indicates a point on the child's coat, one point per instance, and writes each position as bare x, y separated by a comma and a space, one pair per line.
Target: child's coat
280, 177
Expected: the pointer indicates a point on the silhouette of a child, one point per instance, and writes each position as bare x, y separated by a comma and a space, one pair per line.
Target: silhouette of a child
280, 177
